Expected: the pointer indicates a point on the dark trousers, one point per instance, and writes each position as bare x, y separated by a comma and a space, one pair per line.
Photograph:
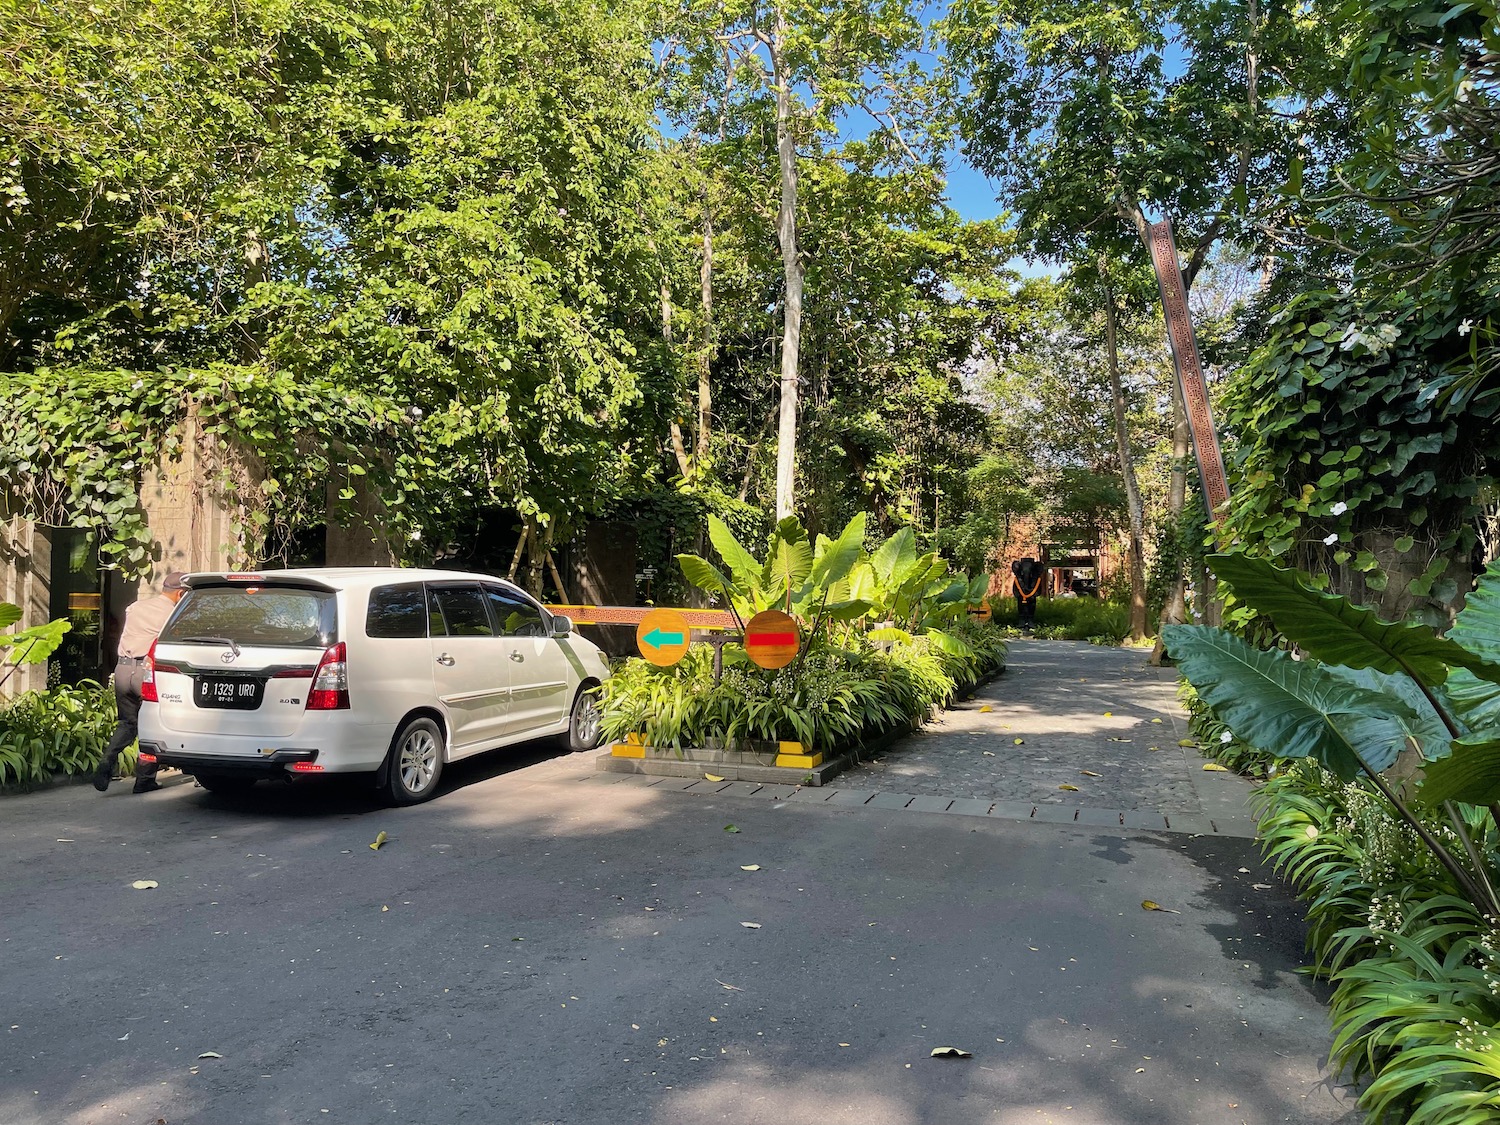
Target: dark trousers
1026, 611
128, 675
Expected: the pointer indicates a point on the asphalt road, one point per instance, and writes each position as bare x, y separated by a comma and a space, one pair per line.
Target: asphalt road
545, 945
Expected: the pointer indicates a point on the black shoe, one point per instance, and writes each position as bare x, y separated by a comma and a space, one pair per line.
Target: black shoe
102, 779
150, 785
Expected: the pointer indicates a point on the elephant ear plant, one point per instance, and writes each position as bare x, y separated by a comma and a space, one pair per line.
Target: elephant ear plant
26, 646
1359, 691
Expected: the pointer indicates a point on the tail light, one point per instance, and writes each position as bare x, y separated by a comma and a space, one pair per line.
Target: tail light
330, 686
148, 677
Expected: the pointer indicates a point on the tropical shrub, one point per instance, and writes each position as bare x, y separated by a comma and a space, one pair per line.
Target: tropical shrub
1398, 871
26, 646
61, 730
831, 699
1095, 620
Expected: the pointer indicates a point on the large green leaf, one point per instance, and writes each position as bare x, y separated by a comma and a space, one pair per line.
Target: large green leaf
1477, 628
851, 610
1426, 727
863, 582
979, 589
789, 565
9, 614
704, 575
1337, 631
1470, 774
1290, 708
34, 645
741, 562
838, 559
895, 555
947, 642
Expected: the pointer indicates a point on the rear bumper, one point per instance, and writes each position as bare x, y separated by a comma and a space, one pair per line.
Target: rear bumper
275, 764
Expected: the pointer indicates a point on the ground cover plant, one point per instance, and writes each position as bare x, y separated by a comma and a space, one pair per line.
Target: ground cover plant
884, 640
61, 730
1381, 743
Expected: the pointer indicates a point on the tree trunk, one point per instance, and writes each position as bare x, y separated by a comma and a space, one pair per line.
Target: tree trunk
1136, 553
1174, 612
791, 261
679, 447
706, 290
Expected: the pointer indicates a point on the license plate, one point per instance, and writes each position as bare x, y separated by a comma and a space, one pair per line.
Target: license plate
238, 694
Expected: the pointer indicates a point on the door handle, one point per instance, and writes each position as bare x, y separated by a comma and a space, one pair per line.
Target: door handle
445, 660
517, 657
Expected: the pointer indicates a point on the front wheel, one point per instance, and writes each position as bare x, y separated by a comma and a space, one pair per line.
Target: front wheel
416, 763
585, 724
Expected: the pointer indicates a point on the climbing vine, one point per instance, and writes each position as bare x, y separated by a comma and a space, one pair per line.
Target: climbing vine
77, 446
1352, 460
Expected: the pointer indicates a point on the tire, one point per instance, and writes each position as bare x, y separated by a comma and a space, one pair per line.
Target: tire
224, 784
585, 721
416, 763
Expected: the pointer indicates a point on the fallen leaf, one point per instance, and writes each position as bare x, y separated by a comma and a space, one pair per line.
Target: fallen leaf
1244, 871
1147, 904
751, 925
730, 987
1153, 749
749, 867
1089, 773
1116, 738
384, 909
951, 1053
982, 710
1156, 720
1260, 886
989, 753
1020, 741
712, 777
145, 884
1140, 1070
1188, 742
60, 840
1109, 714
1069, 788
1214, 767
380, 839
123, 1038
210, 1055
843, 1044
730, 828
713, 1019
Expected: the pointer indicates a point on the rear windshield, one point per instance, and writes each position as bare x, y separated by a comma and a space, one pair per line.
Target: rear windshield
275, 616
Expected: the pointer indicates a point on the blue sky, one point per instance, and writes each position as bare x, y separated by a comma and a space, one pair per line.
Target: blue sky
970, 191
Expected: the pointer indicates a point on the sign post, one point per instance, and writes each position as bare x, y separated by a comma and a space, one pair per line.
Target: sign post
771, 639
662, 637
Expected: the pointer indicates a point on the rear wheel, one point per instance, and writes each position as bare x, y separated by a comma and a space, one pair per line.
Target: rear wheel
225, 783
416, 763
586, 721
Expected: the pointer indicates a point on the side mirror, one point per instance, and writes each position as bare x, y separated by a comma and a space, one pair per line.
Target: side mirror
562, 626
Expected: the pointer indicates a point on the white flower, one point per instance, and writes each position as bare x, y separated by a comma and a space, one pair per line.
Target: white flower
416, 533
1226, 738
1339, 509
1330, 540
1466, 327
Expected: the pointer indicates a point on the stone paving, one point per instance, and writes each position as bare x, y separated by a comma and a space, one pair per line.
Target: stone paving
1059, 708
1098, 720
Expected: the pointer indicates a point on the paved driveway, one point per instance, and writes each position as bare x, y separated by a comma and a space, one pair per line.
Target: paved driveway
545, 944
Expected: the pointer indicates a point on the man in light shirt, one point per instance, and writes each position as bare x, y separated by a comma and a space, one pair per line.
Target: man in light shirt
143, 621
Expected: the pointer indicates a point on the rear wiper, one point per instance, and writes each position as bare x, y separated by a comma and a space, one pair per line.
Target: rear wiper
234, 648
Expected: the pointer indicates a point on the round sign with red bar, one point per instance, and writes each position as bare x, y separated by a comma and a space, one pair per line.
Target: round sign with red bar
771, 639
662, 637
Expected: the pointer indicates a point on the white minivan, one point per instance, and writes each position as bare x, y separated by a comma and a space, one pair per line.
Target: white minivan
377, 670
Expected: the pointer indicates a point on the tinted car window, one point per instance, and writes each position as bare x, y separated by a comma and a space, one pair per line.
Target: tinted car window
397, 611
463, 611
515, 616
276, 616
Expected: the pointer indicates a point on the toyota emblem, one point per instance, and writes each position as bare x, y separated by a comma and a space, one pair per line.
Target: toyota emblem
228, 656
